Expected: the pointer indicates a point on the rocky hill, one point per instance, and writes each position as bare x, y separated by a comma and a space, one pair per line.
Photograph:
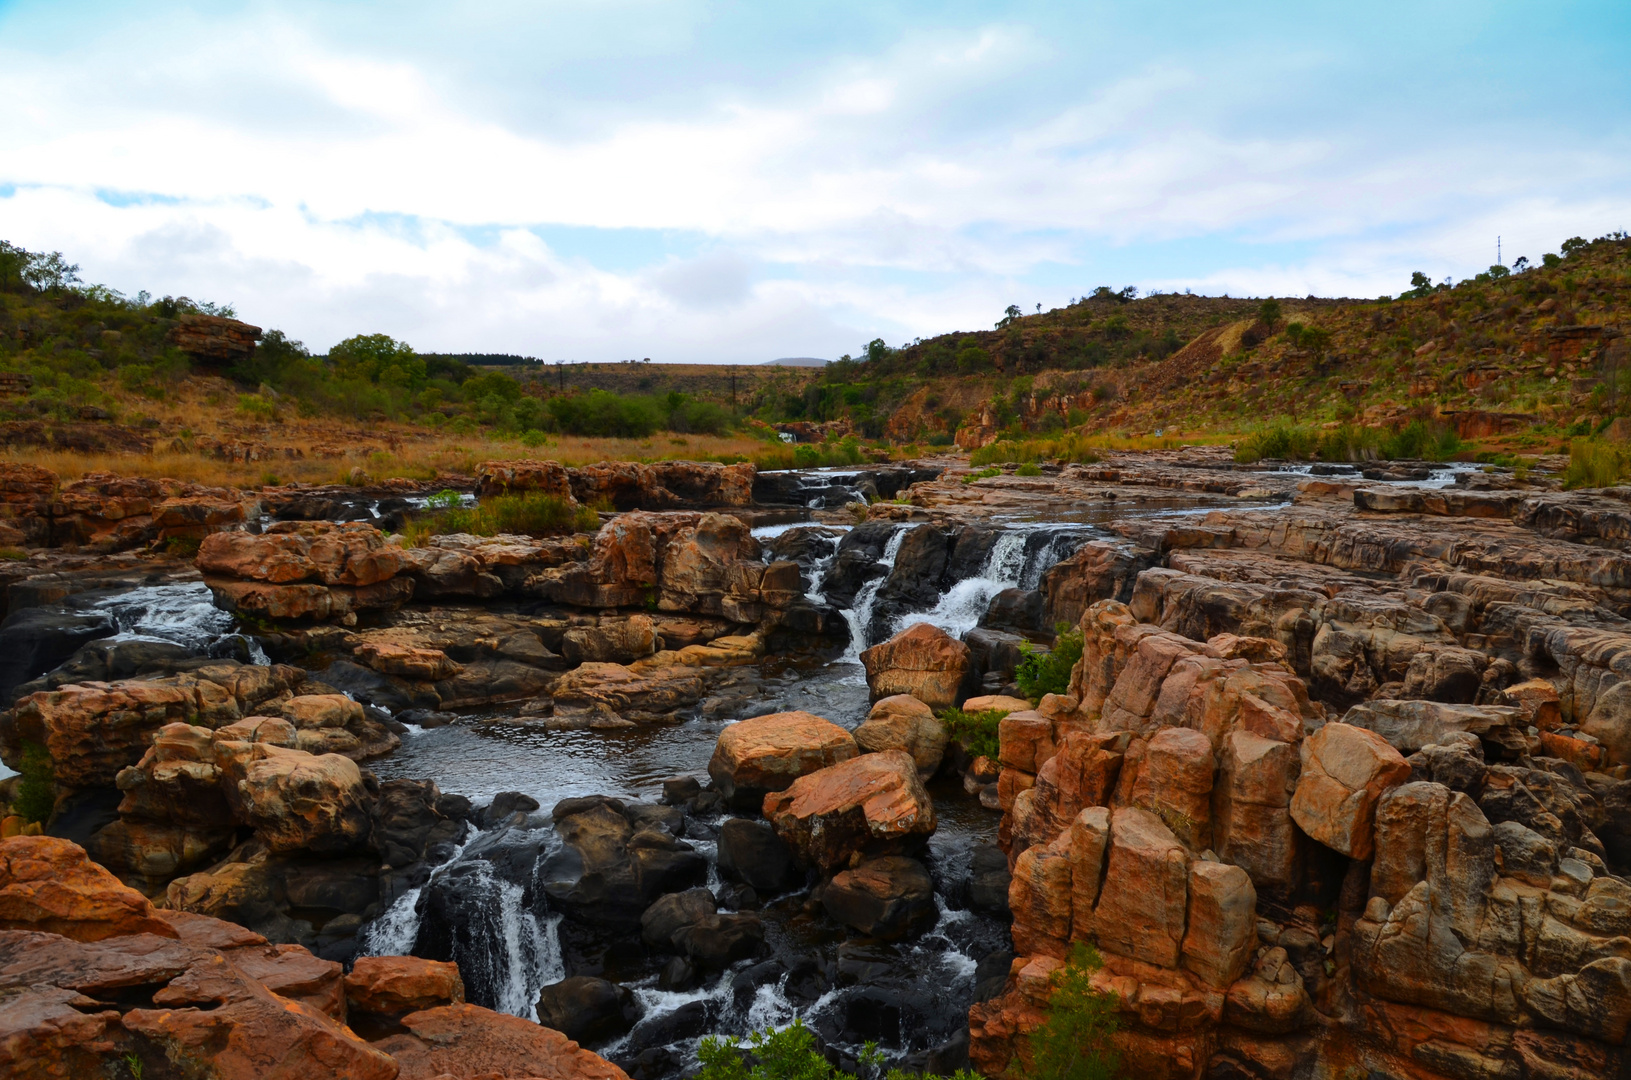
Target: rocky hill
1529, 357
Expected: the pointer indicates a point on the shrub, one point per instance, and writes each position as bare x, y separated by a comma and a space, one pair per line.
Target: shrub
1422, 440
1070, 448
789, 1054
529, 513
36, 791
976, 731
1030, 468
1594, 463
256, 407
1284, 442
1041, 673
1073, 1043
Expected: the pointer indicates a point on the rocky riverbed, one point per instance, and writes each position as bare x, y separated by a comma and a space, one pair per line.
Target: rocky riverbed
1340, 781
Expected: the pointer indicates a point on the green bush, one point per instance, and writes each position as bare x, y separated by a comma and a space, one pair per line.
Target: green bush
1594, 463
1041, 672
1030, 468
1422, 440
529, 513
1283, 442
977, 732
36, 791
1071, 448
789, 1054
1073, 1043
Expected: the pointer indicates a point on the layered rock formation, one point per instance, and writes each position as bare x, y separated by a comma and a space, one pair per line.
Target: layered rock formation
1338, 788
625, 485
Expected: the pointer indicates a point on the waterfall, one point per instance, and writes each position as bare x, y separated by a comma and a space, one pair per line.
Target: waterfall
184, 614
859, 614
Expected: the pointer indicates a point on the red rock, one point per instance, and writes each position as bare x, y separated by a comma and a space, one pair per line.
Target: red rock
768, 753
292, 972
1039, 895
1222, 931
873, 803
1345, 770
467, 1042
297, 801
49, 885
1145, 896
394, 985
544, 477
1176, 784
923, 661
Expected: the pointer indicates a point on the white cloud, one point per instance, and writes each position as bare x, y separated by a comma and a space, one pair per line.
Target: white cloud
329, 191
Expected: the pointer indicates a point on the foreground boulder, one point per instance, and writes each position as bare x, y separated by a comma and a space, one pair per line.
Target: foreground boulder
49, 885
616, 859
923, 661
1345, 771
768, 753
137, 993
873, 804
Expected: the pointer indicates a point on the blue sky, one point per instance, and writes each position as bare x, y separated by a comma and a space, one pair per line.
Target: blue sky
607, 179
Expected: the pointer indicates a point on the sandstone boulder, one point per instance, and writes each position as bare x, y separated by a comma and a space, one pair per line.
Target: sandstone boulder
768, 753
297, 801
1222, 931
902, 722
1345, 770
870, 804
465, 1042
1410, 725
923, 661
49, 885
394, 985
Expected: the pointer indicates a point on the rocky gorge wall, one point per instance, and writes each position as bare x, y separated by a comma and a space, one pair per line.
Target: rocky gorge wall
1338, 789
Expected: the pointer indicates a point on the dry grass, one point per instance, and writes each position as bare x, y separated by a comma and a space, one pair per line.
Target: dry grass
382, 451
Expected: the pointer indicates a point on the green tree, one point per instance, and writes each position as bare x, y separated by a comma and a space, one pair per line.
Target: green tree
1073, 1043
379, 359
51, 272
1268, 312
1572, 245
1549, 260
1010, 315
1420, 285
1497, 272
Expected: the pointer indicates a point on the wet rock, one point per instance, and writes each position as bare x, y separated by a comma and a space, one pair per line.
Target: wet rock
505, 805
587, 1009
686, 1022
873, 803
611, 641
751, 852
884, 898
988, 881
666, 916
1017, 610
680, 790
36, 640
679, 974
923, 661
1099, 570
914, 582
606, 874
717, 941
902, 722
768, 753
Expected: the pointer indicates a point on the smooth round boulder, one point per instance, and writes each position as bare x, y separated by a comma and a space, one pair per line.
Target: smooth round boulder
398, 985
767, 753
669, 913
586, 1009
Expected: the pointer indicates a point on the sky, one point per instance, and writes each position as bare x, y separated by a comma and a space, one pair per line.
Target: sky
600, 180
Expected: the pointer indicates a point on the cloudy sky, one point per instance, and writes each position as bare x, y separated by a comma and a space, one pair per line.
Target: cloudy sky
607, 179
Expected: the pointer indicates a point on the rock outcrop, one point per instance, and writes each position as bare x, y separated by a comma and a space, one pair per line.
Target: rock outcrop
922, 661
869, 805
755, 757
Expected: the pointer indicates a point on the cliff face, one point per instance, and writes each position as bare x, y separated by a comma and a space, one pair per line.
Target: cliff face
1342, 787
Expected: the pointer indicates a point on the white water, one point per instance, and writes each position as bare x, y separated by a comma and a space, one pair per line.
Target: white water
859, 614
532, 949
183, 614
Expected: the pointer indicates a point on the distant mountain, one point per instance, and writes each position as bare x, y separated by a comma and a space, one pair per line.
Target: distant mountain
798, 361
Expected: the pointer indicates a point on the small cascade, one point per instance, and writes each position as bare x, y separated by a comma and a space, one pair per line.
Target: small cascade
859, 615
183, 614
1018, 558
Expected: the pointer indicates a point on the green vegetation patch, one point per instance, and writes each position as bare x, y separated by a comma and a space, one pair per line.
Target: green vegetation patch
1048, 672
977, 732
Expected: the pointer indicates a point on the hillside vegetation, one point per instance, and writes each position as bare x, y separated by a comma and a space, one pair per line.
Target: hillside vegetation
1515, 360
